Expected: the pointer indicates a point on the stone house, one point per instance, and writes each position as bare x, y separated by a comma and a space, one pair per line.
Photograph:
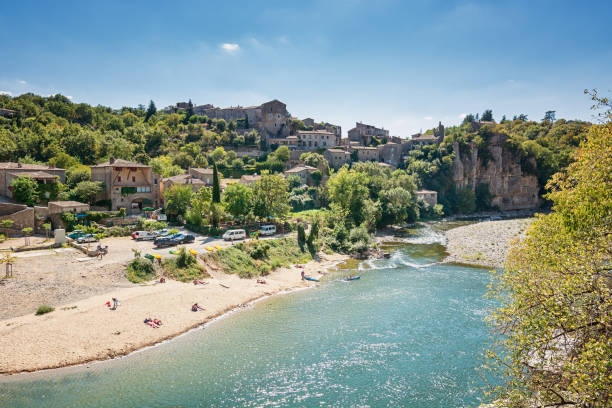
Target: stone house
429, 197
249, 179
206, 175
42, 174
58, 207
128, 185
363, 133
181, 179
303, 172
316, 139
390, 153
366, 153
337, 157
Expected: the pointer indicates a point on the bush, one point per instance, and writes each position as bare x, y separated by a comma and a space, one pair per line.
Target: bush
44, 309
301, 236
140, 270
184, 267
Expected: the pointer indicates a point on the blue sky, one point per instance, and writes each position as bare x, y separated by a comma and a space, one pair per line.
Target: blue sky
403, 65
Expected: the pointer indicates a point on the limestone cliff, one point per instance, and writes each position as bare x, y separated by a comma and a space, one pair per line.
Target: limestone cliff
510, 187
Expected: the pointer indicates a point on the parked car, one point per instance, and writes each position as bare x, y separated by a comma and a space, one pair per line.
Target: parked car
162, 232
267, 230
232, 235
144, 235
86, 238
76, 234
175, 239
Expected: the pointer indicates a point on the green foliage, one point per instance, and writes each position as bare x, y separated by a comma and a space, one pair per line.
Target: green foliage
184, 267
555, 297
216, 193
256, 258
301, 236
44, 309
7, 223
178, 198
69, 220
86, 191
140, 270
237, 199
25, 190
270, 197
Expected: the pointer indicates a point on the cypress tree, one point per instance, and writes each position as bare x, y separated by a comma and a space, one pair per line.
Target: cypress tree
216, 193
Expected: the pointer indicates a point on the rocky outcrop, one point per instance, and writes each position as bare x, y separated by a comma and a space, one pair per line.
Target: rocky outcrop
511, 188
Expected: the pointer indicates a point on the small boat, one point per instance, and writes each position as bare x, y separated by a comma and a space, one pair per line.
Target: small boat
173, 252
157, 256
350, 278
218, 246
208, 248
310, 278
192, 252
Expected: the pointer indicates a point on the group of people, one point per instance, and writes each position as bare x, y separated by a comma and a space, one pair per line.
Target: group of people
155, 323
115, 304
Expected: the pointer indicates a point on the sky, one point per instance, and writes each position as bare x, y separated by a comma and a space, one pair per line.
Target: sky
398, 64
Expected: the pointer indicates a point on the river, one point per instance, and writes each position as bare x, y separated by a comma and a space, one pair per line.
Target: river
409, 333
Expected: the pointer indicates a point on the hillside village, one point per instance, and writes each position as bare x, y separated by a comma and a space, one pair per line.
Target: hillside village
478, 166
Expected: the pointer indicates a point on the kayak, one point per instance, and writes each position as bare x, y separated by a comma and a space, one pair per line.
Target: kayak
308, 278
208, 248
192, 252
352, 278
173, 252
218, 246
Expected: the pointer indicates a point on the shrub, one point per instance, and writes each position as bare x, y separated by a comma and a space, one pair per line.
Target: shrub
140, 270
184, 267
44, 309
301, 236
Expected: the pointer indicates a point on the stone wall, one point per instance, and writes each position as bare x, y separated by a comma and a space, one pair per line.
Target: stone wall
511, 188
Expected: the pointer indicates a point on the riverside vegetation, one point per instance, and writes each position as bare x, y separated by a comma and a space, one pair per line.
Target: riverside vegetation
555, 293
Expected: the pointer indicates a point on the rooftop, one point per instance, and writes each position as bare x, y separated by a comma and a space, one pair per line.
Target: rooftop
426, 192
38, 175
67, 203
324, 132
337, 151
121, 163
25, 166
183, 179
301, 168
202, 170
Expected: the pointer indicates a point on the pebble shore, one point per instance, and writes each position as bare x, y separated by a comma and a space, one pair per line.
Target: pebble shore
485, 243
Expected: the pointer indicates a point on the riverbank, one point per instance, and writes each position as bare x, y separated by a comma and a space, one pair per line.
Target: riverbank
485, 243
86, 330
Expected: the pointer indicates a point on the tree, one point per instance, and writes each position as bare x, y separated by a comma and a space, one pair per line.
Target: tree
487, 116
348, 191
281, 154
237, 199
555, 300
216, 193
301, 236
189, 112
270, 196
86, 191
151, 110
76, 174
178, 198
316, 160
26, 232
200, 206
549, 116
47, 228
25, 190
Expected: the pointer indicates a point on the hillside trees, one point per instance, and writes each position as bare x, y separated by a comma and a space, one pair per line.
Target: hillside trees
555, 294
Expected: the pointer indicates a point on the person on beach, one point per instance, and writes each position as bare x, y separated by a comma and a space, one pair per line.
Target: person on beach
162, 280
303, 274
115, 304
196, 307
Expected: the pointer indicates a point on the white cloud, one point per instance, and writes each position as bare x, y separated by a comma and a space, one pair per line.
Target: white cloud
428, 118
6, 93
22, 82
69, 97
229, 47
462, 116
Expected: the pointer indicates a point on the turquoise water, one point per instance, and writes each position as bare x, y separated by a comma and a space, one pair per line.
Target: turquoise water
409, 333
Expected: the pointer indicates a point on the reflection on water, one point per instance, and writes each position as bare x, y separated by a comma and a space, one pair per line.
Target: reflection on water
408, 333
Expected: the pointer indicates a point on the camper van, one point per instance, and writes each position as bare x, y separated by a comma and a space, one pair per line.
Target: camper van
232, 235
267, 230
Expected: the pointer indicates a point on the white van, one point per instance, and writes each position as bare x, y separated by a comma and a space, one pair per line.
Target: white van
144, 235
267, 230
232, 235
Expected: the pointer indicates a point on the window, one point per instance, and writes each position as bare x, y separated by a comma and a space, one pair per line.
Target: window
133, 179
119, 178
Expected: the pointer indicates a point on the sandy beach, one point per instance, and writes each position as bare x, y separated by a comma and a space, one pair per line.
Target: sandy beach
484, 243
84, 329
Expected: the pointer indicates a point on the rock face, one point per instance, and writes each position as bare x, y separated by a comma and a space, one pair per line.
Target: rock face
510, 187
